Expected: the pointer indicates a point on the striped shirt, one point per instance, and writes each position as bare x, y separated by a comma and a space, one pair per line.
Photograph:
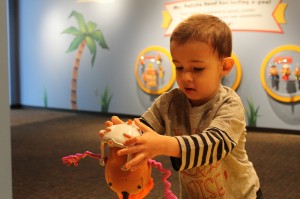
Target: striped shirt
214, 162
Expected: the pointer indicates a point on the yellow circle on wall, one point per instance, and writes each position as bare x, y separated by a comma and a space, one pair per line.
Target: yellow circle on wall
277, 95
238, 76
154, 70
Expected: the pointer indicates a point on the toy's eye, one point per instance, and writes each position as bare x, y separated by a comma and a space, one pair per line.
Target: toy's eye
110, 184
110, 143
139, 186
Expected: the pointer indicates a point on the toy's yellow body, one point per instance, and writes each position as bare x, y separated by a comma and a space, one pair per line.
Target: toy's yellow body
135, 184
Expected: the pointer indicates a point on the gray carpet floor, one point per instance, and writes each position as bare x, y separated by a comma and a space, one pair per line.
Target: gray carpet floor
41, 137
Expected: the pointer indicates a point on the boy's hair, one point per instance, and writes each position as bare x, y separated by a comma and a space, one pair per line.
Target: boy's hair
205, 28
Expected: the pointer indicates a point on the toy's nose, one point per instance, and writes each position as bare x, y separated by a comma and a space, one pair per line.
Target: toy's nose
125, 195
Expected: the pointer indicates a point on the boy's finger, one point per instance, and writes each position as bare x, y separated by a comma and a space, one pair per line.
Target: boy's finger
101, 133
127, 135
108, 123
116, 120
129, 150
122, 151
132, 141
136, 163
141, 125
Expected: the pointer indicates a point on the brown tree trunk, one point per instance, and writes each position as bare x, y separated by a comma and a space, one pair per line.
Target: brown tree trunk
75, 75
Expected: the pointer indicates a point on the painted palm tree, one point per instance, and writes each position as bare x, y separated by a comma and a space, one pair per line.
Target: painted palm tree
88, 35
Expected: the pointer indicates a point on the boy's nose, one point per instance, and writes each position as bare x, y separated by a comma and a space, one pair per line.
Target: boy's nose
187, 76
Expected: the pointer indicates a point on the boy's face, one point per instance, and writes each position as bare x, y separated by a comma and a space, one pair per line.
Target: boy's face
198, 70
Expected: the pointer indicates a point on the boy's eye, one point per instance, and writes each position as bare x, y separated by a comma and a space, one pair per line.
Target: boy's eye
179, 68
198, 69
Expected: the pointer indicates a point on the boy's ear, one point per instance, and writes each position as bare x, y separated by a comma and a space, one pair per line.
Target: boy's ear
227, 65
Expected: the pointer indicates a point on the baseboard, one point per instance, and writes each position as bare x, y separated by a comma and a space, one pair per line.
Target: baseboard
16, 106
74, 111
249, 128
273, 130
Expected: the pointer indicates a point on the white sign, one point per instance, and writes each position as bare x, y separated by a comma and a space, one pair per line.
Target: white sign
240, 15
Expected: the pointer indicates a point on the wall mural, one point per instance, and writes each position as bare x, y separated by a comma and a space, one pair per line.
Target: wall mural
88, 35
91, 26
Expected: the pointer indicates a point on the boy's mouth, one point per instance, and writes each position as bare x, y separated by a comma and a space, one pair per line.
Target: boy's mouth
189, 89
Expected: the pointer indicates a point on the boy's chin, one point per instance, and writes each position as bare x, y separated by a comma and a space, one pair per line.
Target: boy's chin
196, 102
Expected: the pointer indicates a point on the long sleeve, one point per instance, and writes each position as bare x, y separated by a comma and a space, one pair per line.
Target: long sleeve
202, 149
215, 142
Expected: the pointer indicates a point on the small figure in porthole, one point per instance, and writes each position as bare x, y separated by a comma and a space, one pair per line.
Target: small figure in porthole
285, 72
150, 77
297, 75
290, 83
273, 72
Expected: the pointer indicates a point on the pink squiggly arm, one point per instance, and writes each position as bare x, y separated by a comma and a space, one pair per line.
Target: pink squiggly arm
167, 173
74, 159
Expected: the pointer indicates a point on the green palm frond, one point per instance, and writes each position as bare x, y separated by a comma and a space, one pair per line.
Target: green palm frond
98, 36
75, 43
80, 20
92, 47
252, 113
105, 100
45, 97
72, 30
91, 26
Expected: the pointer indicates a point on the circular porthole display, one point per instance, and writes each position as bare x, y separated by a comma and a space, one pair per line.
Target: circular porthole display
154, 70
280, 74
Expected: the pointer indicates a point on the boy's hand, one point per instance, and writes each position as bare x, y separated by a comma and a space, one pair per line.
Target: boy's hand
143, 148
114, 120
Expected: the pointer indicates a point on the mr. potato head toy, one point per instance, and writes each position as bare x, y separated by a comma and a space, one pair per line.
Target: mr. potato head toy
127, 184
